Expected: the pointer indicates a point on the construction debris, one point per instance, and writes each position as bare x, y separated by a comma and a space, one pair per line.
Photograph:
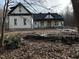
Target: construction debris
65, 38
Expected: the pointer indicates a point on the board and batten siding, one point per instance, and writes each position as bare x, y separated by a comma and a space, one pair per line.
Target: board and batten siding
20, 22
16, 11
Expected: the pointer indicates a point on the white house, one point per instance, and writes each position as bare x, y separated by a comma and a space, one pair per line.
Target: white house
48, 20
20, 18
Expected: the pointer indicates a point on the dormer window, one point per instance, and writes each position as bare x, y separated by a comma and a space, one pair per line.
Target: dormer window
19, 8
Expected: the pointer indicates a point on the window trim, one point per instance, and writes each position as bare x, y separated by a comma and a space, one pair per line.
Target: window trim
24, 21
56, 23
15, 21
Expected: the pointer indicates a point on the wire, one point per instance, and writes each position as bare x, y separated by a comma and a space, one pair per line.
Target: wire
31, 6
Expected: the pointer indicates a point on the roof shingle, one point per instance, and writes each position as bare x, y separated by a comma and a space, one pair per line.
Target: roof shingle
47, 16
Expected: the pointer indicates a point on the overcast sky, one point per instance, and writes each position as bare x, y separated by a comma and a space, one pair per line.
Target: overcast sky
61, 4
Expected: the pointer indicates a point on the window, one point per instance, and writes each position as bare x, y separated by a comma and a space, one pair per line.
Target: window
15, 21
19, 8
56, 23
62, 23
24, 21
42, 23
35, 23
49, 24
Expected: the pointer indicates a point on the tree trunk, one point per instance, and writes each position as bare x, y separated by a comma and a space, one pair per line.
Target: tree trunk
5, 11
2, 32
75, 4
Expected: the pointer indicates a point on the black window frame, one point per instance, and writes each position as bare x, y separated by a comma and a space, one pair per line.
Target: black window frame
24, 21
15, 21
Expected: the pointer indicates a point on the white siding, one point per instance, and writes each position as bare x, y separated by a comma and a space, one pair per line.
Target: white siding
22, 10
37, 24
20, 23
59, 23
45, 24
53, 23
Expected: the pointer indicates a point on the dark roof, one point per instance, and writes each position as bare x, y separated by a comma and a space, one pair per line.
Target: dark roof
47, 16
19, 4
39, 16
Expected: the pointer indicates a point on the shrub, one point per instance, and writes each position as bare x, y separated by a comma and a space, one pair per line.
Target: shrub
12, 42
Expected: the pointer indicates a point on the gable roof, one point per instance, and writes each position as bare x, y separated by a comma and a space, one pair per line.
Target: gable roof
19, 4
47, 16
39, 16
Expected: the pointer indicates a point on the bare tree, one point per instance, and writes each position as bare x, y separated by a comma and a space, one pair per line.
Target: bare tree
75, 4
5, 13
68, 17
0, 18
5, 9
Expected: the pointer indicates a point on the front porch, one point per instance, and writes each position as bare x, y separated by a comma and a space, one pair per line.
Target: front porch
48, 24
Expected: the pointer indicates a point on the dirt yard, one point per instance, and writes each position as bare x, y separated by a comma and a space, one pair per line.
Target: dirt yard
42, 50
42, 31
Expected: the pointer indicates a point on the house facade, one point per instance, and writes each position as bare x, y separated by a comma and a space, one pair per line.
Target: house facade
20, 18
48, 20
